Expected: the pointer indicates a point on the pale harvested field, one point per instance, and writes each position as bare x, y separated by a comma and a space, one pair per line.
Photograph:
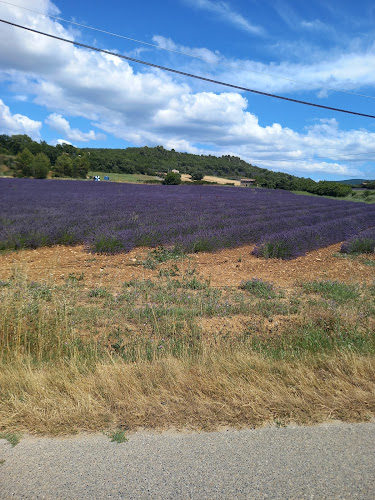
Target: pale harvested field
211, 178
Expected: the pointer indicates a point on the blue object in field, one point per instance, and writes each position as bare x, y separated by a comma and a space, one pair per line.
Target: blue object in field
106, 178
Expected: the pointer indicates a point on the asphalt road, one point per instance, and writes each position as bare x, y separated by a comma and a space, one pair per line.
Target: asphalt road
327, 461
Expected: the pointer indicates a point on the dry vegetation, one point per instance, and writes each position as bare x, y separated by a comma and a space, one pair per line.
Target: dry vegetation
152, 339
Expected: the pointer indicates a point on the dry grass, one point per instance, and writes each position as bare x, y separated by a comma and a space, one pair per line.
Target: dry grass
233, 389
180, 353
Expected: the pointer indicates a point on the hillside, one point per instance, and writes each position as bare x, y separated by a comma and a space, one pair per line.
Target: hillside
65, 160
352, 182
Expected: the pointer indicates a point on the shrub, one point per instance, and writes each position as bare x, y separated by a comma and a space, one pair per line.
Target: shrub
172, 178
259, 288
361, 243
197, 176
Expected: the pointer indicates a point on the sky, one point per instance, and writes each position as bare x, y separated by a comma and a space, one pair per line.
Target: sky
322, 51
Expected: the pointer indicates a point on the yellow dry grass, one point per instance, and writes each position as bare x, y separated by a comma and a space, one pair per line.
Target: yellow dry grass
211, 178
221, 389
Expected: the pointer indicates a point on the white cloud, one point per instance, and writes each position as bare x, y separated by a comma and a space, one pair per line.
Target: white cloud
152, 108
61, 142
225, 11
202, 53
18, 124
61, 125
316, 25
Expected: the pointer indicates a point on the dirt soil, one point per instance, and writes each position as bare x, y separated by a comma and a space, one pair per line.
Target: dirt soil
224, 268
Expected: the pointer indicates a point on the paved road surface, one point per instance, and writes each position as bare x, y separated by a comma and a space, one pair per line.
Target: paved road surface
328, 461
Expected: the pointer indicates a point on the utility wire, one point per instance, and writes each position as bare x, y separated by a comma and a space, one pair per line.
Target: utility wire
190, 75
332, 89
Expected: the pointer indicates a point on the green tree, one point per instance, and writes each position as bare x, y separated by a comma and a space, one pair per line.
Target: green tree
18, 143
41, 166
197, 175
172, 178
81, 166
24, 160
63, 166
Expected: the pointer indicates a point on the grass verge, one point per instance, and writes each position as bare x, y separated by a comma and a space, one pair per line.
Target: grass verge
159, 354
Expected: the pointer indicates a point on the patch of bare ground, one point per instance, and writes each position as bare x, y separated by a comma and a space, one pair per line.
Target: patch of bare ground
223, 268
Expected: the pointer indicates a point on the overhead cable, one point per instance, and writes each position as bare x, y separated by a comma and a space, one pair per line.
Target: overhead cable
190, 75
184, 53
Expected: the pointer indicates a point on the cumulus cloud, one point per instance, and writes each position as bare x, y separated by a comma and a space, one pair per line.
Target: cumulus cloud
61, 125
151, 107
18, 124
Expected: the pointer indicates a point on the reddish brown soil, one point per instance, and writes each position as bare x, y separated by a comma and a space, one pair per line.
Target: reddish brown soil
223, 268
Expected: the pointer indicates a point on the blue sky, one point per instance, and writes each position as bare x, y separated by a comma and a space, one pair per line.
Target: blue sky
54, 91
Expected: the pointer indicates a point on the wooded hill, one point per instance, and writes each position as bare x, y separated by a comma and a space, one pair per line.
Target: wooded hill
152, 161
156, 160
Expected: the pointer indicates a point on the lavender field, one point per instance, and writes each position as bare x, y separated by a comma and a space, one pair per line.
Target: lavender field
112, 217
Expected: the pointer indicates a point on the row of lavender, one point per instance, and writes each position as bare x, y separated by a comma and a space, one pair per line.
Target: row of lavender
114, 217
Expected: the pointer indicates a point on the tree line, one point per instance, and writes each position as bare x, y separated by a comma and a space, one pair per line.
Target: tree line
27, 158
34, 159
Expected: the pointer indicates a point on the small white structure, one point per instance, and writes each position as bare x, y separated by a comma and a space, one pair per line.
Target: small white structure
175, 171
96, 177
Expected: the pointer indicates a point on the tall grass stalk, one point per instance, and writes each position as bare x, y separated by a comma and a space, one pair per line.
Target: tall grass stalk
76, 360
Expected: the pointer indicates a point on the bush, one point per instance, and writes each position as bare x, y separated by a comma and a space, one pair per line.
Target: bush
172, 178
259, 288
361, 243
197, 176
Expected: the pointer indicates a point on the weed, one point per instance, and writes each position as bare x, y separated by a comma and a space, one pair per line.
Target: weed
313, 339
280, 423
160, 255
39, 290
13, 439
368, 262
99, 292
74, 278
259, 288
195, 284
172, 271
118, 436
2, 462
334, 290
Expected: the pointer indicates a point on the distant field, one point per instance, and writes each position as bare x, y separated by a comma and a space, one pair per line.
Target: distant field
113, 217
364, 196
133, 178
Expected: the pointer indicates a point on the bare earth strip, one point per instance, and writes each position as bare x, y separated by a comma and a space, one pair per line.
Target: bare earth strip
224, 268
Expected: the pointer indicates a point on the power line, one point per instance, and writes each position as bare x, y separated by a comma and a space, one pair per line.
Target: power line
190, 75
332, 89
